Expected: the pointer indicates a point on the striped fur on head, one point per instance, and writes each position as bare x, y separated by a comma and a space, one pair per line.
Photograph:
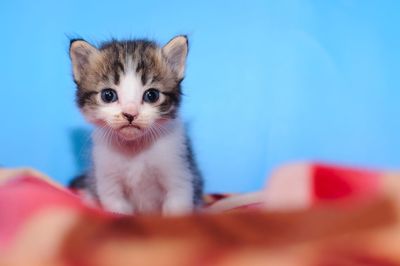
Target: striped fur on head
130, 68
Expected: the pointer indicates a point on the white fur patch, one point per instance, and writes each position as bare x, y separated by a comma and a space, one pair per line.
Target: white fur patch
130, 94
155, 180
130, 89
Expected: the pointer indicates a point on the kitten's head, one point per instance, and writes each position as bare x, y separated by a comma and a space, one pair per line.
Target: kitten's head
129, 87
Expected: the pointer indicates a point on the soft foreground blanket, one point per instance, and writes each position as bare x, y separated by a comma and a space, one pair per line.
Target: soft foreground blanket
308, 214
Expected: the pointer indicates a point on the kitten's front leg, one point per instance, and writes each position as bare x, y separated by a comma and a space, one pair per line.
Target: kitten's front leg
112, 199
178, 198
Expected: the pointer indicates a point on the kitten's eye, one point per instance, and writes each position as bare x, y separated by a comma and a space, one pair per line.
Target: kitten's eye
109, 95
151, 95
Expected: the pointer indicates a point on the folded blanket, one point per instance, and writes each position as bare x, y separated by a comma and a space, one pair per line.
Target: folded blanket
304, 185
308, 214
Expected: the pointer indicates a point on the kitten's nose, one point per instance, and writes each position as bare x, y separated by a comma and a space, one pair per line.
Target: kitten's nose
130, 112
129, 117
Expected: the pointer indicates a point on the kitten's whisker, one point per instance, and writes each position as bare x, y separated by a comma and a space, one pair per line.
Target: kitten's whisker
156, 133
148, 136
162, 130
109, 136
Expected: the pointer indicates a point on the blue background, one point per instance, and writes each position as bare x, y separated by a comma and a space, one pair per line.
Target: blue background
267, 81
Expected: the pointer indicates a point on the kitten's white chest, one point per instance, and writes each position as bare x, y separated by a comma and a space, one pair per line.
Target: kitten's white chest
137, 178
139, 183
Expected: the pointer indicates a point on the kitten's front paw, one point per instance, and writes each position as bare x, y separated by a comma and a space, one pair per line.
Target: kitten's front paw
118, 207
177, 208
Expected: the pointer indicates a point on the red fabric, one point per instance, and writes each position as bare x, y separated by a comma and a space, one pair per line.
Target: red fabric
22, 197
332, 182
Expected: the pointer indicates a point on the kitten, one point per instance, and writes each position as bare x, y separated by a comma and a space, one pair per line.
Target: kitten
142, 159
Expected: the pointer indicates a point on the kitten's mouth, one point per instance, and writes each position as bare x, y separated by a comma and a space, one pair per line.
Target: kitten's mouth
129, 132
130, 126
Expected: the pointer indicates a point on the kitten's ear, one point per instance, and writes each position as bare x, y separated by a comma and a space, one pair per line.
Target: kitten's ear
176, 51
80, 52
